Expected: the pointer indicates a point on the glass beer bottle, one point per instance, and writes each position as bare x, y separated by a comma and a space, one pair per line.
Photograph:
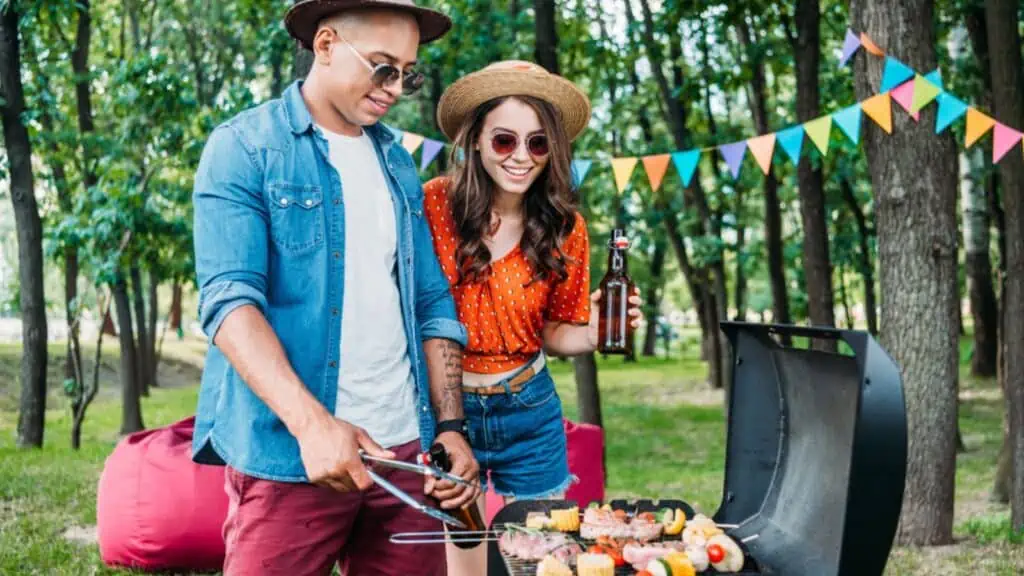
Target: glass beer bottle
615, 332
468, 514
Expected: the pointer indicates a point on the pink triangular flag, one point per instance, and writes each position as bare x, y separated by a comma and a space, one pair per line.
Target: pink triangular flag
904, 96
1005, 138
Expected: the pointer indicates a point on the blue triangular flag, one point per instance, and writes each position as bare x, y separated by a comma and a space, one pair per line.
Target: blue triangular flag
733, 154
686, 164
429, 152
579, 171
894, 74
950, 109
850, 46
935, 77
791, 140
848, 120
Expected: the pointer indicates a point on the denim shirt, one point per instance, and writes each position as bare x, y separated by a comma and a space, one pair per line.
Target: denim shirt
269, 231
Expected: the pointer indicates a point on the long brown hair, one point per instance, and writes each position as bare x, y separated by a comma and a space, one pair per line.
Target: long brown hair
549, 206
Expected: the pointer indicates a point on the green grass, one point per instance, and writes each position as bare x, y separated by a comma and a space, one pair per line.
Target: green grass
665, 436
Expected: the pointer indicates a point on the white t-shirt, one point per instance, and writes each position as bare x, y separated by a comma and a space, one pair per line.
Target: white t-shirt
376, 388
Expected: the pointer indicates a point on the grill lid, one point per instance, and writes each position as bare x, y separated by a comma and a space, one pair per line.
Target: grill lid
816, 451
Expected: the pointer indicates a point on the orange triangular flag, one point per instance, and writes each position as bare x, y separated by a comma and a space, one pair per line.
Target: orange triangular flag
978, 125
623, 168
411, 141
870, 46
762, 147
879, 109
656, 167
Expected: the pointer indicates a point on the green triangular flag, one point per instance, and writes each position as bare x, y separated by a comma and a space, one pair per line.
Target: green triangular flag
818, 131
924, 92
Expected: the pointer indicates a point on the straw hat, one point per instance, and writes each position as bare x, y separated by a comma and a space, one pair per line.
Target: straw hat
512, 78
303, 17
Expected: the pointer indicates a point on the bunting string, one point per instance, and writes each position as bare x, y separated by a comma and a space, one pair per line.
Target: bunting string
900, 83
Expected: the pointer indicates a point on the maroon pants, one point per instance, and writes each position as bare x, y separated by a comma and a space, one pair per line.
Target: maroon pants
303, 529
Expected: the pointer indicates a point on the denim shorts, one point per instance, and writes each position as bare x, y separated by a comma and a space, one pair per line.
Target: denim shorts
519, 439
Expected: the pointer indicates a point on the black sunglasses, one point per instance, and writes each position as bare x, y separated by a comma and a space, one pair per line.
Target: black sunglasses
382, 75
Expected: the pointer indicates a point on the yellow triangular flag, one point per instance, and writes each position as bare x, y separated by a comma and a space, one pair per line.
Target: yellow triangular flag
978, 125
870, 46
411, 141
818, 131
762, 147
623, 168
656, 167
879, 109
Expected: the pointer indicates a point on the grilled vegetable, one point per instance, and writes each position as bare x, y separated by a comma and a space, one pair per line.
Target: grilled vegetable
673, 520
551, 566
732, 561
595, 565
659, 567
566, 520
681, 565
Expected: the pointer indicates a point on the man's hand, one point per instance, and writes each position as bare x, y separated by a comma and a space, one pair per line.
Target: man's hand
464, 465
330, 453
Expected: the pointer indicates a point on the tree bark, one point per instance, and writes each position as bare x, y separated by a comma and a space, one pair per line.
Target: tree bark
817, 265
653, 298
772, 208
546, 50
977, 240
32, 406
916, 216
865, 265
175, 315
1004, 41
131, 403
141, 339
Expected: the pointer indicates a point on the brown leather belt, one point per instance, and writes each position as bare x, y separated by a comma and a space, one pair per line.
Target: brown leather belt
515, 384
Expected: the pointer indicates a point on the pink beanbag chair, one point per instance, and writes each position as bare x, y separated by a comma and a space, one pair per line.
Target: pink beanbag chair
586, 461
156, 509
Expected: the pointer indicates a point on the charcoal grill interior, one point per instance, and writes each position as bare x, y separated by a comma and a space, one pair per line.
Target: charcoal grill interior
815, 455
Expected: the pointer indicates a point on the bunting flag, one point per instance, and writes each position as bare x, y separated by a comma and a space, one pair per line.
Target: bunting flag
848, 120
924, 93
656, 166
431, 148
951, 109
879, 109
623, 168
579, 171
978, 125
870, 46
411, 142
398, 133
850, 46
1003, 140
904, 96
733, 154
762, 148
818, 131
791, 140
935, 77
894, 74
686, 164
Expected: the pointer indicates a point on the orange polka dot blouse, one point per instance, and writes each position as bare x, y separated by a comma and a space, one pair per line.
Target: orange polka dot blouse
504, 316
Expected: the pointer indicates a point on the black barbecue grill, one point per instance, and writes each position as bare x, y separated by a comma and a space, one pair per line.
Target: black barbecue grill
815, 457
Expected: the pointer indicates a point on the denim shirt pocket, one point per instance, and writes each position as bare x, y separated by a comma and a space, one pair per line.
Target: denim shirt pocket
296, 216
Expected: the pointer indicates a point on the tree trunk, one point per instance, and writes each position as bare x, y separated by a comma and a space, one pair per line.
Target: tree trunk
653, 298
916, 216
773, 211
817, 266
1001, 18
1004, 465
32, 407
141, 339
546, 50
175, 315
154, 309
131, 403
984, 308
865, 265
845, 300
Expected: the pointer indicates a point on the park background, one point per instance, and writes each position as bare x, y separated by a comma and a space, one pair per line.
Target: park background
904, 217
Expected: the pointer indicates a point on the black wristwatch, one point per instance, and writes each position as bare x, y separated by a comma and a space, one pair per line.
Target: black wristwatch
460, 425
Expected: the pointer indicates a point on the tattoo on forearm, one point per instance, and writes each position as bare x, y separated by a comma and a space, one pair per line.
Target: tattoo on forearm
448, 402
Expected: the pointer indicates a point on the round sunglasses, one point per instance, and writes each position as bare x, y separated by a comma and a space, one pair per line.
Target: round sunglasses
504, 144
385, 74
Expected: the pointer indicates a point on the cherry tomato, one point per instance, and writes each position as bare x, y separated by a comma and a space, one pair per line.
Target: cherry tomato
595, 549
646, 516
644, 573
715, 553
616, 557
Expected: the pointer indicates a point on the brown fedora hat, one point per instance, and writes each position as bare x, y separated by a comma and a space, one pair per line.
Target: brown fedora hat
303, 17
512, 78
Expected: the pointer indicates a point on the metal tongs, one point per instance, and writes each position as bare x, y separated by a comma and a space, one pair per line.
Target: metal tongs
424, 469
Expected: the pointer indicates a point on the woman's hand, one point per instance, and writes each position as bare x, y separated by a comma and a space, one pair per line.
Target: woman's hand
634, 311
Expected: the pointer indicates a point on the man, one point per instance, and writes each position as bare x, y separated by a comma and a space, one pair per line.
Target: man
331, 323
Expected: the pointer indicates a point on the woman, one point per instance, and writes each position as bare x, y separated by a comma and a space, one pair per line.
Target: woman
516, 253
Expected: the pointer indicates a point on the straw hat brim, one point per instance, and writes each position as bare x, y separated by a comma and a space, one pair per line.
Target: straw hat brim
302, 19
472, 90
